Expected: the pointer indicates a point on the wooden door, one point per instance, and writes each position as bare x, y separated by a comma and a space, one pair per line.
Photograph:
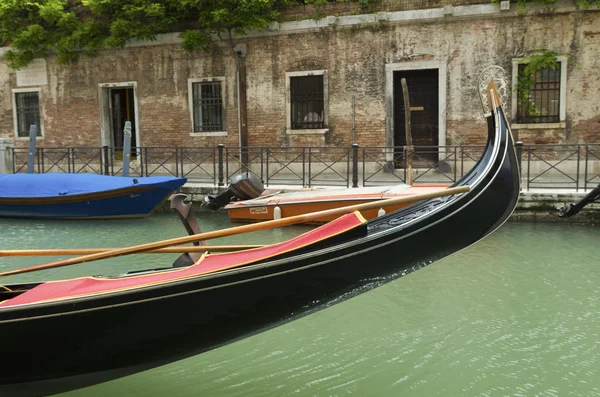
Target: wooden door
423, 94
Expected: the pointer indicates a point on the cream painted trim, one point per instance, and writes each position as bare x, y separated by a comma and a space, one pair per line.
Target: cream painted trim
304, 132
539, 126
288, 101
105, 129
562, 111
14, 106
211, 133
193, 80
442, 67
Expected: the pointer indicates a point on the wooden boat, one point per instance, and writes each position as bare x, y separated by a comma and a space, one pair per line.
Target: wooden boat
61, 335
82, 196
280, 205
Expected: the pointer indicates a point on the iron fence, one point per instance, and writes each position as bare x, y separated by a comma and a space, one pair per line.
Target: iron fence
575, 167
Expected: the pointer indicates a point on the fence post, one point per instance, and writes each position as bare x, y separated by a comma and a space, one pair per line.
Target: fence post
177, 162
267, 167
105, 156
70, 159
39, 155
404, 152
220, 164
309, 166
31, 153
355, 165
519, 150
577, 173
585, 171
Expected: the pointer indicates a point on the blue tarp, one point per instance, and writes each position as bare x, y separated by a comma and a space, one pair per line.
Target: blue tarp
61, 184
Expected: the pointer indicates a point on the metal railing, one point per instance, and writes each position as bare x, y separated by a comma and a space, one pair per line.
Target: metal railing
575, 167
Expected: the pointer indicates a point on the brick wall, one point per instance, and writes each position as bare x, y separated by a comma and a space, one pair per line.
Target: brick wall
355, 58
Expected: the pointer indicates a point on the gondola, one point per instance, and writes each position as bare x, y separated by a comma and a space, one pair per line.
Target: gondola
63, 335
59, 195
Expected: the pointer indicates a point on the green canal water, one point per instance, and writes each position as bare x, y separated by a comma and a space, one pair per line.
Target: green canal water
517, 314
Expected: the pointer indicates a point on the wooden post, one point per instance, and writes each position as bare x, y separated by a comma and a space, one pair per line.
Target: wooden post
409, 145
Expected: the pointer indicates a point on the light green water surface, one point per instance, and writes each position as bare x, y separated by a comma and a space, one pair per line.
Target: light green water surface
517, 314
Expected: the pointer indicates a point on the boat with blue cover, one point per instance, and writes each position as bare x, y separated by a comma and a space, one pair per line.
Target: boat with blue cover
83, 196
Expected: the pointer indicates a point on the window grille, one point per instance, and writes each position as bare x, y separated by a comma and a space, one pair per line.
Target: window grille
28, 112
306, 95
543, 105
208, 106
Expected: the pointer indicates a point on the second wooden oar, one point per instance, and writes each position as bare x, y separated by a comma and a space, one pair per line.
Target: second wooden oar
88, 251
241, 229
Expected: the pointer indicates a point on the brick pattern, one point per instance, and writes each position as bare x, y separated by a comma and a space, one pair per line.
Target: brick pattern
589, 130
354, 58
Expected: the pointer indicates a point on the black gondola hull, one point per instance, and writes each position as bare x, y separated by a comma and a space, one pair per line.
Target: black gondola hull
70, 344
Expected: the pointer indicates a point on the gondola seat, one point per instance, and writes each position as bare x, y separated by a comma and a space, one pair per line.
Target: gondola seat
331, 233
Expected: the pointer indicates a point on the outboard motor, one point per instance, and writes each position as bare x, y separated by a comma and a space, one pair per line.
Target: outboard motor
244, 186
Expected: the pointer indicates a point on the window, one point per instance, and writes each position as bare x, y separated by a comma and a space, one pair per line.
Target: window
545, 100
207, 105
306, 94
307, 102
544, 97
26, 107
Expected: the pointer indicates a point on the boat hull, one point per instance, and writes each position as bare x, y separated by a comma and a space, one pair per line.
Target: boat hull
247, 212
128, 202
107, 339
67, 344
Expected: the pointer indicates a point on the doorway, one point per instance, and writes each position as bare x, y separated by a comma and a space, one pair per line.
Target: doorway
122, 108
423, 89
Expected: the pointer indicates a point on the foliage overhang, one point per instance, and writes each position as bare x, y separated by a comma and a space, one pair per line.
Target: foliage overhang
69, 28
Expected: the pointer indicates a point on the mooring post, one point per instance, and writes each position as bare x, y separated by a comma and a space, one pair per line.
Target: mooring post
31, 153
126, 147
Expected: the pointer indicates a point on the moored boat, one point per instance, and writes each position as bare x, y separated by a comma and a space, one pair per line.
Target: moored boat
67, 334
281, 205
82, 196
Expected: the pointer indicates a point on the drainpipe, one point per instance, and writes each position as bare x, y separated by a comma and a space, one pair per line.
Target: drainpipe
241, 50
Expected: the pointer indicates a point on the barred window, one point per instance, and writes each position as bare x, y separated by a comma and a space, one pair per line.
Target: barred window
207, 106
307, 100
543, 100
27, 112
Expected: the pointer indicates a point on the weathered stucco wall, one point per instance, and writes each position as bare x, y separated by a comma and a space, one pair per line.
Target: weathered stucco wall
354, 57
6, 118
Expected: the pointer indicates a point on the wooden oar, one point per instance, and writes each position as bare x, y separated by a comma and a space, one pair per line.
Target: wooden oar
241, 229
87, 251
